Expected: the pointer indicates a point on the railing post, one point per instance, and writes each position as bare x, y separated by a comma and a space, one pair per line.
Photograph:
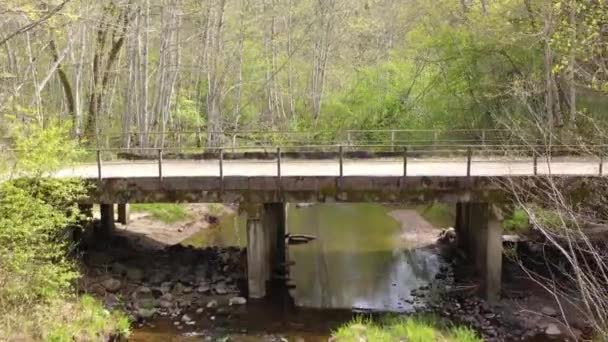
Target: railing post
392, 141
435, 137
221, 164
160, 164
99, 165
233, 143
405, 161
469, 158
348, 138
341, 161
483, 137
601, 170
535, 161
279, 162
198, 137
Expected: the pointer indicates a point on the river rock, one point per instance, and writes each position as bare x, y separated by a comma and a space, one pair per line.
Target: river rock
553, 331
212, 304
166, 287
158, 277
549, 311
119, 268
111, 301
203, 288
220, 288
178, 289
143, 298
166, 301
97, 289
135, 274
186, 318
145, 313
111, 284
237, 301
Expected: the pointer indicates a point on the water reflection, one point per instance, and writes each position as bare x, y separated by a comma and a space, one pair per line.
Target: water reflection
358, 261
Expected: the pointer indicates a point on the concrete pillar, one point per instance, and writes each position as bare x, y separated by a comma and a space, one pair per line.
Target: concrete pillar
479, 229
123, 213
258, 266
265, 246
106, 226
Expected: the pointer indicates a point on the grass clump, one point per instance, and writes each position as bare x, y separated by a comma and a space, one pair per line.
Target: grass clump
518, 222
164, 212
411, 329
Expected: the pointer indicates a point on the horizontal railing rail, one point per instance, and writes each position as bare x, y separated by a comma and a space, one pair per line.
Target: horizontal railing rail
340, 153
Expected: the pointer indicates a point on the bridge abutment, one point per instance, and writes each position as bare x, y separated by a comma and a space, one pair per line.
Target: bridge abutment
106, 224
123, 213
479, 230
265, 246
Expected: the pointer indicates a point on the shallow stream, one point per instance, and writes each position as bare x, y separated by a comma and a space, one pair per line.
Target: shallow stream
363, 260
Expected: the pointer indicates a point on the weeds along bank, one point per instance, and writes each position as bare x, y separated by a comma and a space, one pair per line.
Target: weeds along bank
38, 294
414, 329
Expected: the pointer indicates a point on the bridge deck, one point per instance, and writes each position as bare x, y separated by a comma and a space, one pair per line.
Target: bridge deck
378, 167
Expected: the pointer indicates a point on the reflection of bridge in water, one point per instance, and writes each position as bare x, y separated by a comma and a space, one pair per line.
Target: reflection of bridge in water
473, 174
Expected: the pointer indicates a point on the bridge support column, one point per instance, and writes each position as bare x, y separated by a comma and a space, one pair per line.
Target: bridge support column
479, 230
106, 225
123, 213
265, 246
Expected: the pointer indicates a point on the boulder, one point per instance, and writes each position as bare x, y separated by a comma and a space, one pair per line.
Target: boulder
143, 298
237, 301
549, 311
135, 274
553, 331
203, 288
145, 313
111, 284
212, 304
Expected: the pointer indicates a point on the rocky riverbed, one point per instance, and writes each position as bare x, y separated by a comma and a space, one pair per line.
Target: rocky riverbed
165, 282
200, 294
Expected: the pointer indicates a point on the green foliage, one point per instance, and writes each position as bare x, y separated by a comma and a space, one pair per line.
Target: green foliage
37, 296
40, 151
29, 221
414, 329
85, 319
518, 222
165, 212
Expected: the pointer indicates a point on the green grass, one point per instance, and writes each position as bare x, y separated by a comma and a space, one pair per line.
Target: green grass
411, 329
517, 222
440, 215
63, 320
165, 212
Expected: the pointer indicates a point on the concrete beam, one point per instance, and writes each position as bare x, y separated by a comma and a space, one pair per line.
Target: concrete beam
106, 225
124, 215
355, 189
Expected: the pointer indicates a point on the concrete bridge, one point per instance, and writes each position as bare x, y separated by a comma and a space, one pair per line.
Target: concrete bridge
474, 178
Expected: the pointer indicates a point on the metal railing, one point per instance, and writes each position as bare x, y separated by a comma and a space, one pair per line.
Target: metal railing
339, 153
185, 140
